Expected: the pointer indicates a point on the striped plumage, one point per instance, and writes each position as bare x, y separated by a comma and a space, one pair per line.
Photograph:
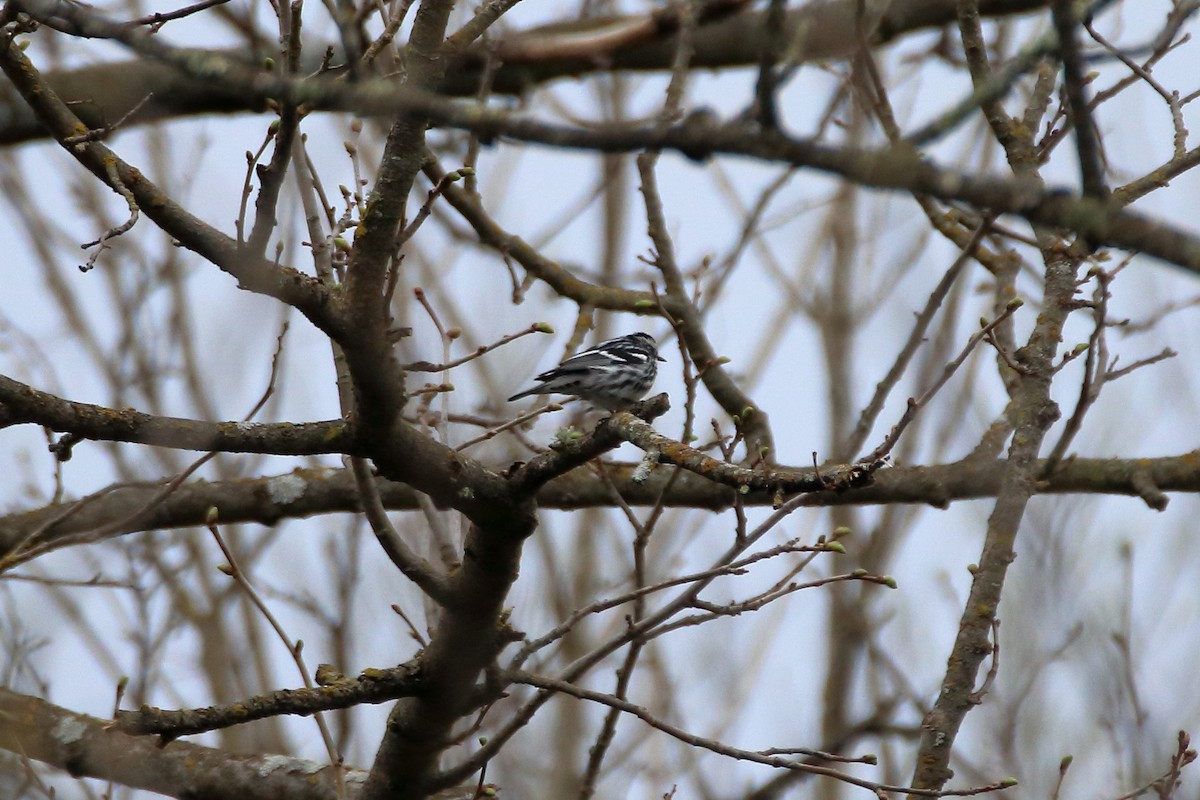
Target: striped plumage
612, 375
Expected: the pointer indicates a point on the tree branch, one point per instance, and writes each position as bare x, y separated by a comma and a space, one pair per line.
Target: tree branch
21, 403
713, 745
373, 686
751, 420
282, 283
1033, 413
821, 31
1087, 138
898, 167
528, 477
86, 746
309, 492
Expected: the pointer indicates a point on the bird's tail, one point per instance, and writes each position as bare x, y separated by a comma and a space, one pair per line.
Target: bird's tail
525, 393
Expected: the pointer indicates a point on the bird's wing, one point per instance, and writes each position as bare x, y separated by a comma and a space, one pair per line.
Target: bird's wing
588, 358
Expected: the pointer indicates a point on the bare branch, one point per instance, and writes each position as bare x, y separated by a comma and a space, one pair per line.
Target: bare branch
20, 403
737, 753
373, 686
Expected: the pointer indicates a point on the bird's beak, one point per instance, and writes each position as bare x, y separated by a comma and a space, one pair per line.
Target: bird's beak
660, 358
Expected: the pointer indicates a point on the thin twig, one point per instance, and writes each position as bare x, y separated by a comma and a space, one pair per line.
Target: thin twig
101, 133
915, 404
916, 337
425, 366
158, 19
294, 647
565, 687
517, 421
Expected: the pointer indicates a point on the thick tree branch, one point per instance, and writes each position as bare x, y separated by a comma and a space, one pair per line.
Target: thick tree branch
310, 492
375, 686
1033, 413
899, 168
744, 480
528, 477
469, 638
471, 631
819, 31
894, 168
20, 403
452, 479
86, 746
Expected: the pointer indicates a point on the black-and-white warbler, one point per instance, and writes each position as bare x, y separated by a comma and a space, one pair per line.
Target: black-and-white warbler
611, 375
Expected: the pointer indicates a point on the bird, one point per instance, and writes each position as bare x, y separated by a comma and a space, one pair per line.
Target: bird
612, 375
